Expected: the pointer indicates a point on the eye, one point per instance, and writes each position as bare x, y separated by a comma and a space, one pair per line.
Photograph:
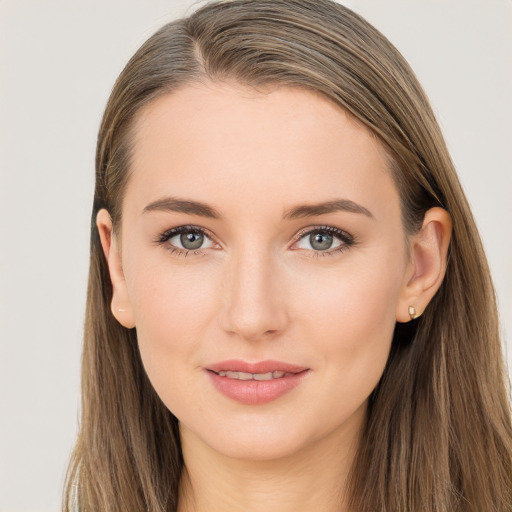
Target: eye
186, 238
190, 241
318, 241
324, 239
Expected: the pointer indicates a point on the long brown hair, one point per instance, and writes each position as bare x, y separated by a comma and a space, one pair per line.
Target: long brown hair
438, 435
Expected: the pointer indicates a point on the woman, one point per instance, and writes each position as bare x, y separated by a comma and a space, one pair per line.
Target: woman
289, 306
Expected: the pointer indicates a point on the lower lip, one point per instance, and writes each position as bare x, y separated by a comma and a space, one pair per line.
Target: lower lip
255, 392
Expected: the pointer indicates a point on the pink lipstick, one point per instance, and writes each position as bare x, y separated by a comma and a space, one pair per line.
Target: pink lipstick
255, 383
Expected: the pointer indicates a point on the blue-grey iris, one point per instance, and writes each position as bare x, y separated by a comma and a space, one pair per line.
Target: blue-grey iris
191, 241
321, 241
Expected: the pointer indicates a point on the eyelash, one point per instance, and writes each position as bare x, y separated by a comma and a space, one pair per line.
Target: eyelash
346, 239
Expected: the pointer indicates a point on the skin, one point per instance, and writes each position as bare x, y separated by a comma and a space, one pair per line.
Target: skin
257, 289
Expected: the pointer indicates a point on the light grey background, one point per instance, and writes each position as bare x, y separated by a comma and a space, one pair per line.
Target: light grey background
58, 62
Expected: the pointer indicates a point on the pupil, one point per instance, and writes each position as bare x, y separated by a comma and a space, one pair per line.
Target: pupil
321, 241
191, 241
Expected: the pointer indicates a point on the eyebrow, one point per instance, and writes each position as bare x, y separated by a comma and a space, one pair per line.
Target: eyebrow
336, 205
174, 204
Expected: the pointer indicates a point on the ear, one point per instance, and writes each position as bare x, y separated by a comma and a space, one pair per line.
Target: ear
427, 266
120, 305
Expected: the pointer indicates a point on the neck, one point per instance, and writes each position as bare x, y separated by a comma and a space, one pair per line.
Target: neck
311, 479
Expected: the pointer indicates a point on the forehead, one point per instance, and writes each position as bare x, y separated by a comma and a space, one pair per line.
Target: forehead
224, 140
234, 105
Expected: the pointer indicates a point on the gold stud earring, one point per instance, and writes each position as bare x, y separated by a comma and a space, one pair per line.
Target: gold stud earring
412, 312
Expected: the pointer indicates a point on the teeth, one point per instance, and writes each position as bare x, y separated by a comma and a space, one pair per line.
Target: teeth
239, 375
252, 376
262, 376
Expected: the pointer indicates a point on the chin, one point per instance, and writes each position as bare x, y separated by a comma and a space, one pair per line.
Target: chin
254, 438
258, 447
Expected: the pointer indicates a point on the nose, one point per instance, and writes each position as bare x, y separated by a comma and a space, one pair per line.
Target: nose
254, 297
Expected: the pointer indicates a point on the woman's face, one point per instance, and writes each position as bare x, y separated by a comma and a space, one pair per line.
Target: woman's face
264, 261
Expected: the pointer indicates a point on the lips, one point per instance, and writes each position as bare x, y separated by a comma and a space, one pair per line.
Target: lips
255, 383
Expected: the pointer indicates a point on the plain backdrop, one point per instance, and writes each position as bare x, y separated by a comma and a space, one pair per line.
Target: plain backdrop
58, 62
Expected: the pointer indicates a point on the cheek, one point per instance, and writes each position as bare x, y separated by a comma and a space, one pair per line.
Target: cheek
356, 297
168, 297
351, 320
172, 310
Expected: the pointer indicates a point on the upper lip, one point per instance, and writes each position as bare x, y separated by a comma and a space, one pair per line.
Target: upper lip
237, 365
